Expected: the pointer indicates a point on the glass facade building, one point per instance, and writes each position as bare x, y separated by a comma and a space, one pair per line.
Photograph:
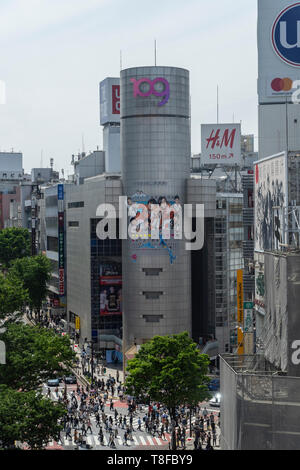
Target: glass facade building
229, 235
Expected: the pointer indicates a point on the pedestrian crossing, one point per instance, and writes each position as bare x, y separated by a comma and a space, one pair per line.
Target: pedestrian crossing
93, 440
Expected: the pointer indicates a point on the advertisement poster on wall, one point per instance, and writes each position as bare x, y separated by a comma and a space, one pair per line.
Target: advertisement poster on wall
271, 196
110, 280
154, 224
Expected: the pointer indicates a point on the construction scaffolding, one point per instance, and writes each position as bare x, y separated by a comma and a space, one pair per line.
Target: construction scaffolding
260, 406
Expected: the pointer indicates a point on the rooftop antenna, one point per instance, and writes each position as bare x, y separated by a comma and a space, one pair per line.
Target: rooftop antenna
155, 52
82, 139
217, 104
120, 59
42, 158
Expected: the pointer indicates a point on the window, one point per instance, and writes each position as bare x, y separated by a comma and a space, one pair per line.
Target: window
152, 271
152, 318
74, 205
52, 244
73, 223
152, 295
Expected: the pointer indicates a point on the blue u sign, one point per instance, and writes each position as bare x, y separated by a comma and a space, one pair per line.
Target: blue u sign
286, 35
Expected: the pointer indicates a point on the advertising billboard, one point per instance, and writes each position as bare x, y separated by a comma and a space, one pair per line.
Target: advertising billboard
109, 101
271, 195
61, 239
240, 297
153, 232
221, 144
110, 281
278, 48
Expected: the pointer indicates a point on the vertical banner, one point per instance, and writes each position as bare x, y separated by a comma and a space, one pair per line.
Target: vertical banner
77, 323
240, 310
240, 297
61, 239
248, 317
240, 339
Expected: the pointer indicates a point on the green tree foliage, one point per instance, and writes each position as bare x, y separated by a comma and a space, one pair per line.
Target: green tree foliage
13, 296
14, 243
170, 370
33, 355
29, 418
34, 273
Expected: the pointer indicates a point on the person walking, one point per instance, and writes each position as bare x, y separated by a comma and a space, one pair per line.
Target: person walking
139, 424
68, 432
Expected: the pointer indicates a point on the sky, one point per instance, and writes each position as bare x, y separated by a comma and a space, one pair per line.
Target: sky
54, 53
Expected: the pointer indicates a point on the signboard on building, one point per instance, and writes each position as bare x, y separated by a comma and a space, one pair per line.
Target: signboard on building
249, 343
278, 48
110, 101
240, 297
271, 195
248, 317
110, 287
77, 323
221, 144
61, 239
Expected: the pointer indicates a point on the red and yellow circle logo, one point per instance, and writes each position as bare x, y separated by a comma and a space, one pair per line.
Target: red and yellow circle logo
282, 84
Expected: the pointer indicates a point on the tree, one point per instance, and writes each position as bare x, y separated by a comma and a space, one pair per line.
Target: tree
33, 355
28, 417
34, 273
13, 296
170, 370
14, 243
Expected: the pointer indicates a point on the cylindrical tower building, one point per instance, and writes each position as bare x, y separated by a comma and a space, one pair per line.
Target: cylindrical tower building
155, 153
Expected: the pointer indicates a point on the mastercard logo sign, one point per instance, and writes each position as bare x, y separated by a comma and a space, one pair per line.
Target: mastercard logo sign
282, 84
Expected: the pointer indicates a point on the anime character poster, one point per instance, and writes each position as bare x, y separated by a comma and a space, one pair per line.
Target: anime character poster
270, 199
155, 224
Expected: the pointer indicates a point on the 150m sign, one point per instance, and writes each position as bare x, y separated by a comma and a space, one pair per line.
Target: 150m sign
221, 144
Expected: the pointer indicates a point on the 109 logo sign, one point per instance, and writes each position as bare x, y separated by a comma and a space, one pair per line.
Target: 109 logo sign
153, 88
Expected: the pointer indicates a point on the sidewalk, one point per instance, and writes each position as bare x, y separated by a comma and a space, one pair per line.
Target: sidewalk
110, 370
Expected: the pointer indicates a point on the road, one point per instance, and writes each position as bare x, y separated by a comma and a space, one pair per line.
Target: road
141, 439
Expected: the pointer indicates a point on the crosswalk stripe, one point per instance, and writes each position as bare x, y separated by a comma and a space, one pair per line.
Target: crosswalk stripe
97, 442
120, 440
158, 441
150, 440
89, 440
143, 440
105, 441
66, 441
135, 440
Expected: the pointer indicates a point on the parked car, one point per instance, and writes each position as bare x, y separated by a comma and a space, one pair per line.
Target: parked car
70, 379
216, 400
214, 385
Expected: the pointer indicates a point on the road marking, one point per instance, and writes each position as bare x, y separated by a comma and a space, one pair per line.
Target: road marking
120, 440
97, 442
66, 441
89, 440
150, 440
135, 440
143, 441
158, 441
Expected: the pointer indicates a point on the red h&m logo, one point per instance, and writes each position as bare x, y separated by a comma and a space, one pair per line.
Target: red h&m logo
217, 140
115, 91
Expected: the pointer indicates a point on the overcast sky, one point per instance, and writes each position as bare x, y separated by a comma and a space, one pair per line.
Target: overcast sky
55, 52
